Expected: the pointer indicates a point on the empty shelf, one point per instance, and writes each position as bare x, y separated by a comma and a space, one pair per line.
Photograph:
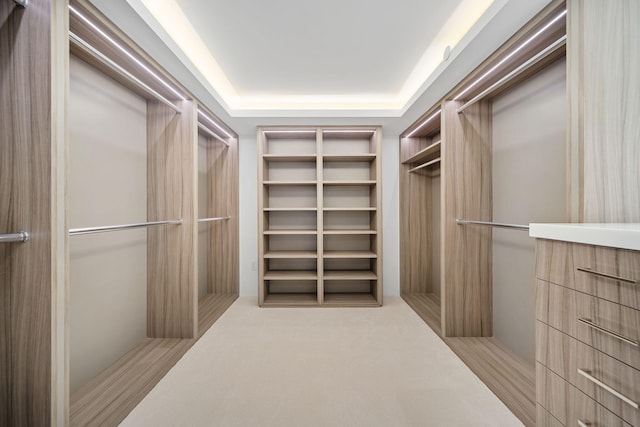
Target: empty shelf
349, 254
290, 157
346, 183
367, 157
290, 209
291, 254
290, 299
424, 154
350, 275
296, 183
291, 275
290, 232
350, 300
347, 232
365, 209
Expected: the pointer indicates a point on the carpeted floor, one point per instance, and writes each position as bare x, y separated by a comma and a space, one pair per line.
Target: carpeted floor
320, 367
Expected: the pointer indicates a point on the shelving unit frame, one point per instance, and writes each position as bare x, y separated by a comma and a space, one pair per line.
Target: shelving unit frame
351, 168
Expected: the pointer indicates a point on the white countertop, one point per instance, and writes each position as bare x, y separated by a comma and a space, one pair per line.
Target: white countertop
625, 236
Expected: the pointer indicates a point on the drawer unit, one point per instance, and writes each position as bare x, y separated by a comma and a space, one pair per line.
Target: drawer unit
560, 403
608, 273
605, 379
611, 328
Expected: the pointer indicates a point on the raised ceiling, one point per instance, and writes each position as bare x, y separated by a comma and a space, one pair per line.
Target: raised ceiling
262, 58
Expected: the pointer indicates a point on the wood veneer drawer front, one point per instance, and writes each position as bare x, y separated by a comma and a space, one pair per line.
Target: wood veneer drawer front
567, 405
611, 328
608, 273
608, 381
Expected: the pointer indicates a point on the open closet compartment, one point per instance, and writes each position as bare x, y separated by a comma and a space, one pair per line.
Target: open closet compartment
447, 193
319, 219
134, 156
218, 223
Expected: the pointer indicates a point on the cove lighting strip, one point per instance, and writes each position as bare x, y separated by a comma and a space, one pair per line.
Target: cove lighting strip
213, 122
126, 52
413, 132
506, 58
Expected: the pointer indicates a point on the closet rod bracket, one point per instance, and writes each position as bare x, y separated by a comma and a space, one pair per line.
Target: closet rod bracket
20, 237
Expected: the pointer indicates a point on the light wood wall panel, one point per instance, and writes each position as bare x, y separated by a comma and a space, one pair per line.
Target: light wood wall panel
604, 64
466, 194
223, 267
416, 233
172, 194
27, 275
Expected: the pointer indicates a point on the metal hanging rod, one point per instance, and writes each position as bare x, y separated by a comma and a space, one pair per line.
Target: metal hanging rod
211, 133
525, 66
91, 230
219, 218
20, 236
424, 165
23, 3
77, 41
493, 224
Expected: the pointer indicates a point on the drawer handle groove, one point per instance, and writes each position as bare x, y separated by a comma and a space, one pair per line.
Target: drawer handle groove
609, 332
608, 276
583, 423
587, 374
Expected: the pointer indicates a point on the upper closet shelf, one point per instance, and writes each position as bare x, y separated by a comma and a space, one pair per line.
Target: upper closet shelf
290, 182
367, 182
349, 157
289, 157
424, 154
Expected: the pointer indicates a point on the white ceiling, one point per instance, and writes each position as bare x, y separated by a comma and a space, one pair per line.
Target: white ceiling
343, 55
334, 62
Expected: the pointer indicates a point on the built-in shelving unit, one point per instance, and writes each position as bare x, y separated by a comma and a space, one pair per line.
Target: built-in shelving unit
320, 241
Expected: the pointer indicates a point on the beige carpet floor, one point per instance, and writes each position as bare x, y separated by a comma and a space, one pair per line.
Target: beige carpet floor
320, 367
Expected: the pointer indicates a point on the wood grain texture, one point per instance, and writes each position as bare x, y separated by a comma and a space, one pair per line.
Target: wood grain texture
26, 269
223, 181
172, 194
427, 306
112, 394
211, 307
561, 308
604, 64
566, 404
416, 225
545, 419
466, 194
557, 262
566, 355
507, 375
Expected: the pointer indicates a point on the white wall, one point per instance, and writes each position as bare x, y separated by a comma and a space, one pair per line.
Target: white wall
249, 215
529, 152
107, 185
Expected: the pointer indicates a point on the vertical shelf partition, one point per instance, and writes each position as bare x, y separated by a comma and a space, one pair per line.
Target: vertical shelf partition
320, 241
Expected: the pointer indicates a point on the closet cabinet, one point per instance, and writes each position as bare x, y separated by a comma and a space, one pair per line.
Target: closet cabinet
448, 210
320, 217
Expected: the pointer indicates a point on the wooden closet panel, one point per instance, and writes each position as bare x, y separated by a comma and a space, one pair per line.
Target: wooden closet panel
26, 269
172, 194
604, 64
223, 267
466, 194
415, 222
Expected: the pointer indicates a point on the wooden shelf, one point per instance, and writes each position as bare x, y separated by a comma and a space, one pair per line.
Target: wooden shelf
290, 157
349, 157
290, 254
296, 183
424, 154
290, 300
291, 275
368, 209
289, 232
211, 307
349, 254
350, 300
349, 232
111, 395
290, 209
349, 275
349, 183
